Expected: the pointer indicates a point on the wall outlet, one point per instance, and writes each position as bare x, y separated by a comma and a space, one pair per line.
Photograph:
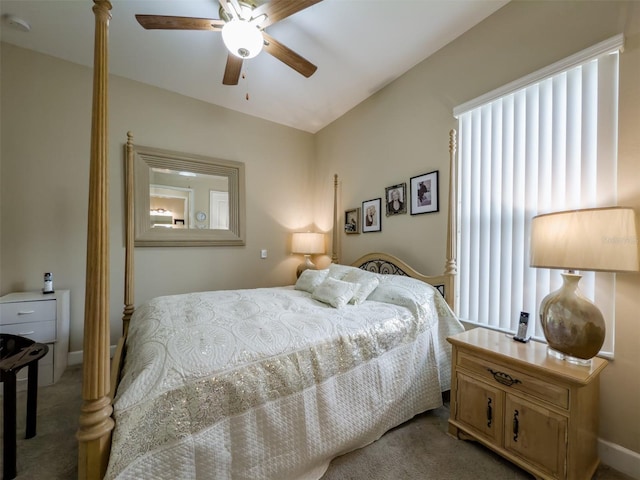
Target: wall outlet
263, 253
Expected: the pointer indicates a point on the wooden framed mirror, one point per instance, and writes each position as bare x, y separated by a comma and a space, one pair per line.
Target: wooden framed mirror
180, 199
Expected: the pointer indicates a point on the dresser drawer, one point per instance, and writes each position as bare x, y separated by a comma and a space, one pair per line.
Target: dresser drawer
496, 373
43, 332
23, 312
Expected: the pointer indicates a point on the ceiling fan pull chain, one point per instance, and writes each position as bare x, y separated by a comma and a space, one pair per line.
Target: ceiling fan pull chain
244, 76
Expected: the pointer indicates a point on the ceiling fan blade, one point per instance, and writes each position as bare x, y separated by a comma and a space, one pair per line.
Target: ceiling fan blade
237, 8
162, 22
227, 7
288, 56
232, 70
277, 10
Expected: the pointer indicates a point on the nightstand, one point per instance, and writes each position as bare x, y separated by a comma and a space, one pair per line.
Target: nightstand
539, 412
43, 318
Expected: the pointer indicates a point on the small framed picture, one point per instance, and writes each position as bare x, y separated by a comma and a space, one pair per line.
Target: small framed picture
371, 215
352, 220
396, 197
424, 193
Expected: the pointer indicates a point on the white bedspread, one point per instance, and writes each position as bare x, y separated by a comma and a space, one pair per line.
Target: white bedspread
270, 384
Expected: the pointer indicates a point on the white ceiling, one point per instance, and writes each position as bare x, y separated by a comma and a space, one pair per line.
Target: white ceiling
359, 47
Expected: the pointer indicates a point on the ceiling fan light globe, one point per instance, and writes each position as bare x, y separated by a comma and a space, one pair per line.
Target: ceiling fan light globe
242, 39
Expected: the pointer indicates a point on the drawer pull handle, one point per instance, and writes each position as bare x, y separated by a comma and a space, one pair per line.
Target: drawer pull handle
26, 312
489, 413
504, 378
515, 426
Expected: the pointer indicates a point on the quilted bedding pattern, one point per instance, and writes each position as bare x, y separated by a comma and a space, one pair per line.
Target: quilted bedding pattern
269, 383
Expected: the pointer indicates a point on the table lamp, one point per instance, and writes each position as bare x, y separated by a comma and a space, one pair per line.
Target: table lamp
596, 239
307, 243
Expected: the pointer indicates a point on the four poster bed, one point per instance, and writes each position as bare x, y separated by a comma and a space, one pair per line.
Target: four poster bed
258, 383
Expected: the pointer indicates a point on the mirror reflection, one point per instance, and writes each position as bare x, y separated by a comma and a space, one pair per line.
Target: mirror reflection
181, 199
188, 200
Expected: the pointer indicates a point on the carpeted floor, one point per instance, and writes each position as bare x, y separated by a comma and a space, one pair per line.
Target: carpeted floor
419, 449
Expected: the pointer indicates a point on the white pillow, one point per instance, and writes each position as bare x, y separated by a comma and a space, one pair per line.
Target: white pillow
404, 291
310, 279
366, 281
334, 292
338, 271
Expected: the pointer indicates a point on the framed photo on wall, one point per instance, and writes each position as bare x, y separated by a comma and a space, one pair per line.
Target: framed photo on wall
396, 199
371, 215
352, 221
424, 193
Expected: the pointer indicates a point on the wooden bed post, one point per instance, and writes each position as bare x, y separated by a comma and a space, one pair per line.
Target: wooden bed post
450, 266
128, 264
335, 257
118, 356
96, 424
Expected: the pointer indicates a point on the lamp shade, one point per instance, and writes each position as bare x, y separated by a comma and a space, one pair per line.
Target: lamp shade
307, 243
595, 239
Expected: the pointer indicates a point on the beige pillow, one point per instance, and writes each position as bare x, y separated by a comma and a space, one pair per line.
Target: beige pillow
338, 271
405, 292
366, 281
310, 279
334, 292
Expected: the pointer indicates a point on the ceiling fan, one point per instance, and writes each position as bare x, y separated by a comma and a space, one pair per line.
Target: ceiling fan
242, 23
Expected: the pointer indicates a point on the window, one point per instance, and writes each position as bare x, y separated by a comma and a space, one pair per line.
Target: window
544, 143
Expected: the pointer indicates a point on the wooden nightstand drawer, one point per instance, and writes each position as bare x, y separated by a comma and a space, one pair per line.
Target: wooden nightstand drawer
496, 373
526, 425
22, 312
43, 332
484, 410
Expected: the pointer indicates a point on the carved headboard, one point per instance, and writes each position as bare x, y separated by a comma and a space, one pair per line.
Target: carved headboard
390, 265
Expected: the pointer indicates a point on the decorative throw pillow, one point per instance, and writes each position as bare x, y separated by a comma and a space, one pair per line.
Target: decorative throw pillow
310, 279
334, 292
403, 291
366, 281
338, 271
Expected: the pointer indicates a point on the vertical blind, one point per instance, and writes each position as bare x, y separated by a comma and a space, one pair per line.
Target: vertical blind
545, 143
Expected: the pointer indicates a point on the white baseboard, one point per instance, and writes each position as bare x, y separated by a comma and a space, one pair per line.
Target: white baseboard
620, 458
75, 358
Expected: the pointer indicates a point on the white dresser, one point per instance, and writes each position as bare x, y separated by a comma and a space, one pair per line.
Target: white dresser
45, 319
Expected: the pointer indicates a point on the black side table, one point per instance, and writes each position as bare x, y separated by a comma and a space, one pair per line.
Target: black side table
15, 353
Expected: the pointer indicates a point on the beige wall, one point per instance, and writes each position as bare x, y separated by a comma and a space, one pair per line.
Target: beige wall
46, 115
402, 131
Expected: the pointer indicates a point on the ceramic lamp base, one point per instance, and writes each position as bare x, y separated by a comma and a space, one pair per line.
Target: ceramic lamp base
573, 326
306, 265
